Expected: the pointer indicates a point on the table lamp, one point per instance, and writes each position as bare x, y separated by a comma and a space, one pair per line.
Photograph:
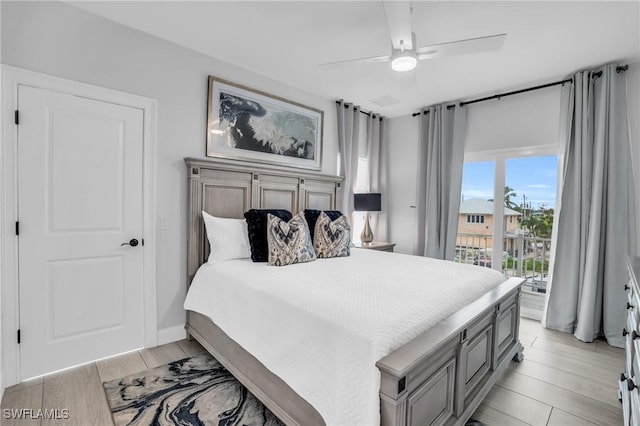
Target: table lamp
369, 202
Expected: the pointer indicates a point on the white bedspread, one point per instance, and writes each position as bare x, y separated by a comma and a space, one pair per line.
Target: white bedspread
321, 326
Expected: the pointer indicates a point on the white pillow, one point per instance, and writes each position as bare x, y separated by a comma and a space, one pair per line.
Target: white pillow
228, 238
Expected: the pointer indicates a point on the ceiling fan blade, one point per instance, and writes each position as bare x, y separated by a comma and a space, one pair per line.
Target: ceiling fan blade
370, 60
463, 47
398, 14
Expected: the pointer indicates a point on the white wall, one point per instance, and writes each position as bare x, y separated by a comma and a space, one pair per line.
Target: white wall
516, 122
402, 139
58, 39
525, 120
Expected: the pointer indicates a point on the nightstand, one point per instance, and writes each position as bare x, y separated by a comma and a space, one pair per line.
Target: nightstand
377, 245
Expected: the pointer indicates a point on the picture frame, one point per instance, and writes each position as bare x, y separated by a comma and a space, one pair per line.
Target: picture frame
250, 125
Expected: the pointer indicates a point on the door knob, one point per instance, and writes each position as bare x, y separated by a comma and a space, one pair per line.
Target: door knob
133, 242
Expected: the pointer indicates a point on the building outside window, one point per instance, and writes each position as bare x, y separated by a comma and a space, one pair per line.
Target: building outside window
471, 218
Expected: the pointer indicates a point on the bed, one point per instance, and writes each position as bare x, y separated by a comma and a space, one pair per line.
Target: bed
415, 370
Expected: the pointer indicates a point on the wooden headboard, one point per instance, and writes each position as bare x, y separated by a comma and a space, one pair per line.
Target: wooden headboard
227, 189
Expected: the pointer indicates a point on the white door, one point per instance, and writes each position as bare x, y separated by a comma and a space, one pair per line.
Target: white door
79, 199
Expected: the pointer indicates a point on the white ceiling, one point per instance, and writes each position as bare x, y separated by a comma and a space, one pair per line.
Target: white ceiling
287, 40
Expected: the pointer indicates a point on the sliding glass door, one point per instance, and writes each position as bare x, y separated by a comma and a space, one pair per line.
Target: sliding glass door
506, 214
474, 242
532, 183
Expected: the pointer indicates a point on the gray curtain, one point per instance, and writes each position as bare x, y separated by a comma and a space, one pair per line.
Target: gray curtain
348, 135
596, 226
440, 161
377, 160
564, 133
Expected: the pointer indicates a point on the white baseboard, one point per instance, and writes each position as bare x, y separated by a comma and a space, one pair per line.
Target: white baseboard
533, 314
171, 334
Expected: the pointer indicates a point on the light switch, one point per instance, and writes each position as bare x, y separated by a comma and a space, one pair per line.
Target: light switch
164, 223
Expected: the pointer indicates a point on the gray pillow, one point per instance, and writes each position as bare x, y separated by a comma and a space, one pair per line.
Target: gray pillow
332, 238
289, 242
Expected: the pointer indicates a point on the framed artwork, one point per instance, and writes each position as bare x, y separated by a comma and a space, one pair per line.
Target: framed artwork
246, 124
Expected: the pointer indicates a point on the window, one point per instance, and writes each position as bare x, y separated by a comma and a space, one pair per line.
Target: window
475, 218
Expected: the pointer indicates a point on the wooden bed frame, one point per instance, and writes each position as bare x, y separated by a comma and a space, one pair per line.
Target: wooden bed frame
438, 378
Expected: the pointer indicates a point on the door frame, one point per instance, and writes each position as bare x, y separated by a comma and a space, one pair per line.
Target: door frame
12, 78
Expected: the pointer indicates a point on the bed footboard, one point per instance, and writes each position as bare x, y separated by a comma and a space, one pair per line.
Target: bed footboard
444, 374
270, 389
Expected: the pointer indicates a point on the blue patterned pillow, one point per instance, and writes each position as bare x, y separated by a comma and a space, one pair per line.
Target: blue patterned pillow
289, 242
313, 215
332, 238
257, 229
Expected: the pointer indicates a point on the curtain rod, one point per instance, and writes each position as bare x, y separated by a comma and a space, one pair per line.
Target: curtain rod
361, 111
503, 95
425, 112
619, 69
515, 92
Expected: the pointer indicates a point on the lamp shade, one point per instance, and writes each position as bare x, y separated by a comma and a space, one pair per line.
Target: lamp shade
369, 202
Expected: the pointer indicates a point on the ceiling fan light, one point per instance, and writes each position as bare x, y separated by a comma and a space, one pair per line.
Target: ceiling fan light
404, 63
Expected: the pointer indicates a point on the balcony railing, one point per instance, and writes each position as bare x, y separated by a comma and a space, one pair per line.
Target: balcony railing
522, 256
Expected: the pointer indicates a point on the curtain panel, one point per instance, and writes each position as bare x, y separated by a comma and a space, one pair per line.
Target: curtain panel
377, 161
348, 141
440, 162
596, 223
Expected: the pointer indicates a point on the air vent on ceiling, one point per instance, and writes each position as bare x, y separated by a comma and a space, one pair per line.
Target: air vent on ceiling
386, 101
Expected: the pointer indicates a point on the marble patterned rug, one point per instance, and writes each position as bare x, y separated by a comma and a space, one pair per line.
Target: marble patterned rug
190, 391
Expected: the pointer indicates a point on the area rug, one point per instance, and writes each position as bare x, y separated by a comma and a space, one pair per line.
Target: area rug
191, 391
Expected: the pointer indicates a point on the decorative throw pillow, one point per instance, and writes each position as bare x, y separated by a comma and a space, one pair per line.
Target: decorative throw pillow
228, 238
332, 238
257, 228
289, 242
312, 217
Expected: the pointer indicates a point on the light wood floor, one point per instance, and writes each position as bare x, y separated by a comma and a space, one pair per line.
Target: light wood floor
561, 382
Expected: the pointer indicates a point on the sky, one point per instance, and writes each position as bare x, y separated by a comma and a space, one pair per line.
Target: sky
534, 177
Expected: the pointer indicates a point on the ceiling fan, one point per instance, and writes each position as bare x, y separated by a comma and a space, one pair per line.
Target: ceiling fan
405, 53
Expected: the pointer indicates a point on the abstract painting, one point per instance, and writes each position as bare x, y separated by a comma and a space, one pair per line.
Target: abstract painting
245, 124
